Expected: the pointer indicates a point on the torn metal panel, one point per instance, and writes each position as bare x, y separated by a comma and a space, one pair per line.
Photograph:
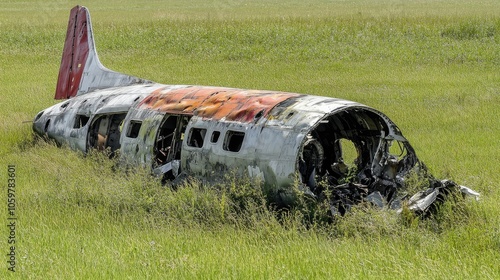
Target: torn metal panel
340, 147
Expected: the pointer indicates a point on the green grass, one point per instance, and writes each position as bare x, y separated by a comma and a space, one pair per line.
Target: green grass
431, 66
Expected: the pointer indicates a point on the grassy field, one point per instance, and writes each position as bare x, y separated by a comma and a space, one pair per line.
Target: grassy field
432, 66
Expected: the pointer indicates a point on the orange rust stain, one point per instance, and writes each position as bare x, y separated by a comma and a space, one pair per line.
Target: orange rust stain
217, 103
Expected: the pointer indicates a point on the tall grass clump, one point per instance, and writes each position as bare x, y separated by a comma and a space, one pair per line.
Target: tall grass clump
239, 202
112, 190
471, 30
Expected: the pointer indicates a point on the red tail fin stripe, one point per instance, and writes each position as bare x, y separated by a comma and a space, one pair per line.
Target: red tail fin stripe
75, 53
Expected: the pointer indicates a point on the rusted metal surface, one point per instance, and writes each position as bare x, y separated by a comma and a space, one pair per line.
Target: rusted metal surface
215, 102
204, 132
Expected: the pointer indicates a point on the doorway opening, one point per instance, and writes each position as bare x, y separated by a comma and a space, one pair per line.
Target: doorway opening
104, 133
168, 144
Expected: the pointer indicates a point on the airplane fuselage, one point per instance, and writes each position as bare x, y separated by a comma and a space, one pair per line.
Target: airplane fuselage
280, 138
206, 131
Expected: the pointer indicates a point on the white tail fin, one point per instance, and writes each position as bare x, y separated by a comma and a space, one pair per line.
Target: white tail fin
81, 71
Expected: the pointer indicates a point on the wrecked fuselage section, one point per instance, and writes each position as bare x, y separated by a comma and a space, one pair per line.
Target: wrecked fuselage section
330, 146
339, 147
357, 154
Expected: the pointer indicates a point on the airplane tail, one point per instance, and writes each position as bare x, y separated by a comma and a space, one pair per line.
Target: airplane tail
81, 71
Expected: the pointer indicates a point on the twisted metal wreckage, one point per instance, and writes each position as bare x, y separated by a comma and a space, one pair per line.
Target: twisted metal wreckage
206, 131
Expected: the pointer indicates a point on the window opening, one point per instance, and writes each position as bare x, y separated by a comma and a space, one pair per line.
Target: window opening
63, 106
81, 121
46, 128
233, 141
133, 129
104, 132
196, 137
215, 136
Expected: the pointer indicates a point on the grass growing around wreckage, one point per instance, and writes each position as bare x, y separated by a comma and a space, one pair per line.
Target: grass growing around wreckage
432, 67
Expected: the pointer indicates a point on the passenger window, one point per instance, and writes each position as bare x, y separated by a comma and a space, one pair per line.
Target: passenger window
133, 129
80, 121
215, 137
233, 141
196, 137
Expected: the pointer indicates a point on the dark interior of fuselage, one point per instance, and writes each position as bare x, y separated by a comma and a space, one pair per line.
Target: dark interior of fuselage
168, 143
104, 132
343, 147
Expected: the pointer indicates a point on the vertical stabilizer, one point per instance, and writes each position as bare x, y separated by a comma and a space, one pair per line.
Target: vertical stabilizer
81, 71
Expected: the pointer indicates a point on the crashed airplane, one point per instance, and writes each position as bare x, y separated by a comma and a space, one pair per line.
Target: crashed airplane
204, 131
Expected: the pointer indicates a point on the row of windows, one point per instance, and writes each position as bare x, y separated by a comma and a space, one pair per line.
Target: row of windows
196, 138
232, 141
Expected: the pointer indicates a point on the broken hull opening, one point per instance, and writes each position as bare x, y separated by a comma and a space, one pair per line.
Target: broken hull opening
356, 154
